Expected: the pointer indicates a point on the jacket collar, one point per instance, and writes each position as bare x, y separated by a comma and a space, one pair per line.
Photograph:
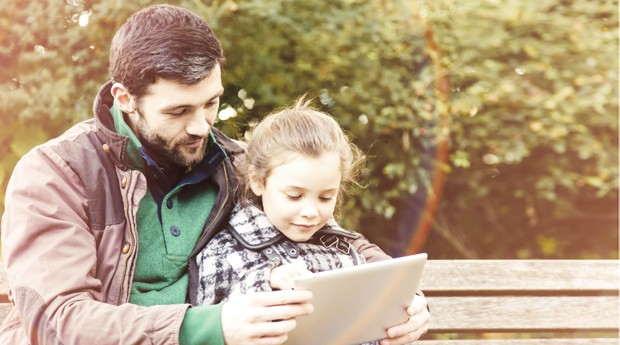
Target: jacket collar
118, 142
113, 143
250, 226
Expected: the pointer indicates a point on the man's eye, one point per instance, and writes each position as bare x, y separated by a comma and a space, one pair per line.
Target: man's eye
212, 103
179, 112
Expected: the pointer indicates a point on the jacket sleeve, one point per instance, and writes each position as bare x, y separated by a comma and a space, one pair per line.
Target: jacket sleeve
370, 251
51, 258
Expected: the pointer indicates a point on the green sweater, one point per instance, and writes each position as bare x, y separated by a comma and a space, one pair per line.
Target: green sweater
170, 221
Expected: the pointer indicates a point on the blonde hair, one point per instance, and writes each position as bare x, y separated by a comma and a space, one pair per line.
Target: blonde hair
302, 130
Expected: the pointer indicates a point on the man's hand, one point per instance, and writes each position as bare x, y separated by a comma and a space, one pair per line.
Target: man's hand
282, 277
263, 318
414, 328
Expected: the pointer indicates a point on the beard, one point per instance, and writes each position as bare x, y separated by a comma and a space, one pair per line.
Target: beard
168, 151
174, 153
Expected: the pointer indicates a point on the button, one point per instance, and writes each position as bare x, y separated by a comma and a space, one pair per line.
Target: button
175, 231
124, 182
106, 148
169, 203
126, 248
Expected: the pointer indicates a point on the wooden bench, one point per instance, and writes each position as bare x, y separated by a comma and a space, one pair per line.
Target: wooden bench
570, 301
573, 301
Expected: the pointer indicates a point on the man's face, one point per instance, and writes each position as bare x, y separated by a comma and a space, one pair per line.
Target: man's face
174, 120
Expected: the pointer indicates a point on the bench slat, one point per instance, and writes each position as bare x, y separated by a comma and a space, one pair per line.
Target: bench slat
593, 341
462, 314
520, 276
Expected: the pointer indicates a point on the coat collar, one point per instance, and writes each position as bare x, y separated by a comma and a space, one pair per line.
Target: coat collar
250, 226
117, 143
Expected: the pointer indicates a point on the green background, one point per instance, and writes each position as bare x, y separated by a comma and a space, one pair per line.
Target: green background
491, 127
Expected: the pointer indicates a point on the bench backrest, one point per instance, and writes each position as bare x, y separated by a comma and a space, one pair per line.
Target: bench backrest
569, 298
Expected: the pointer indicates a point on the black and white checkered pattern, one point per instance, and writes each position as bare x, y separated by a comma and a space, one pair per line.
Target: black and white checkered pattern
234, 263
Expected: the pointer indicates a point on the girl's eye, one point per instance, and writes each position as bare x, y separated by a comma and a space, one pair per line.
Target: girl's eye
293, 196
326, 198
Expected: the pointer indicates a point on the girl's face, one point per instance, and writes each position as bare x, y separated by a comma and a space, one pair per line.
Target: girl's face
299, 196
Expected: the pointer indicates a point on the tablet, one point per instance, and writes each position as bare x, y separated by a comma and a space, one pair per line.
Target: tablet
358, 304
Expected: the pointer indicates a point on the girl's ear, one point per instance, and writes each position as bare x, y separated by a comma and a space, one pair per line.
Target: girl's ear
257, 184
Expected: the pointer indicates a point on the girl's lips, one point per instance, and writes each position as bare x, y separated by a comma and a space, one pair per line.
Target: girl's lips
305, 227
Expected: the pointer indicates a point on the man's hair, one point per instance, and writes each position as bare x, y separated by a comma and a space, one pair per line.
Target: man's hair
163, 41
299, 130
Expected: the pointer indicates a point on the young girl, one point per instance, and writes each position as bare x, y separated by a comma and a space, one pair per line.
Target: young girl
297, 165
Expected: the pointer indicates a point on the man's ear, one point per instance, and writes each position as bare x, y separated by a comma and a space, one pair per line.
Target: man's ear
257, 184
126, 102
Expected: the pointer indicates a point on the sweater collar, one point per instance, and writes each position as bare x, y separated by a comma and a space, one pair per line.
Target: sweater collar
163, 179
118, 142
134, 157
137, 155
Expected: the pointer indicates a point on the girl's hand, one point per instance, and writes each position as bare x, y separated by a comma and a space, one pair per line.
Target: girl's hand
415, 327
282, 277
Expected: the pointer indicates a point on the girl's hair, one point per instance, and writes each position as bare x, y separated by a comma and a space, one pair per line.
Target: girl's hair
301, 130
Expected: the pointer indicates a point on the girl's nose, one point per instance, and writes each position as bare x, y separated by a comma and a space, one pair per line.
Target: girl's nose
309, 210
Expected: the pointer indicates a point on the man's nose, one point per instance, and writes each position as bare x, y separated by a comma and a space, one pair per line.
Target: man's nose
198, 125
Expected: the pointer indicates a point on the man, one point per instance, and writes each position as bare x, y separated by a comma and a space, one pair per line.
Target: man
102, 224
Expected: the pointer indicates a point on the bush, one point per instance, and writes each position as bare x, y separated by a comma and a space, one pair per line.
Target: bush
492, 128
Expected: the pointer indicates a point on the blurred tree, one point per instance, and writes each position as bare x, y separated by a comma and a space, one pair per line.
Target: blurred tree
534, 122
524, 94
373, 76
53, 58
532, 112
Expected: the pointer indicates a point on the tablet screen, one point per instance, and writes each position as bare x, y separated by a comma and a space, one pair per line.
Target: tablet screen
358, 304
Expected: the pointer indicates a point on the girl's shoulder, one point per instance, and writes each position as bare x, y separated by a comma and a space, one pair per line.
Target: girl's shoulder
333, 228
250, 227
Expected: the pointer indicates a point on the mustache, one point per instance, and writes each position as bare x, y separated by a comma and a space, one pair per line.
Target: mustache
191, 139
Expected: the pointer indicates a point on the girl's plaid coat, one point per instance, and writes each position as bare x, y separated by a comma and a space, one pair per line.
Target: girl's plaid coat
240, 258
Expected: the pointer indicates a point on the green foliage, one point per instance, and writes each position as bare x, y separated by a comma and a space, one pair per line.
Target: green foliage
51, 68
369, 74
534, 123
526, 93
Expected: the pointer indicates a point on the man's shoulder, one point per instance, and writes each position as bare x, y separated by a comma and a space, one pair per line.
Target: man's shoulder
72, 137
82, 147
